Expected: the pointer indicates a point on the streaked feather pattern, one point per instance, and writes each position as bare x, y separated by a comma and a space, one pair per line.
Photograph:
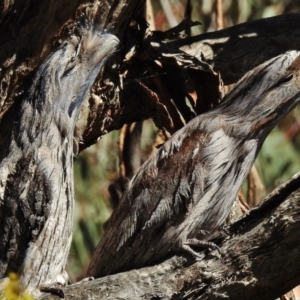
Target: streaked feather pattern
189, 186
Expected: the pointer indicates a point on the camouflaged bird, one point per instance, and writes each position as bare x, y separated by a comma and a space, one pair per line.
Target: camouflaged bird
36, 178
186, 190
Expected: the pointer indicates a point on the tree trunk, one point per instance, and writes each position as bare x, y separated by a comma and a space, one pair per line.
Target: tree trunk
30, 135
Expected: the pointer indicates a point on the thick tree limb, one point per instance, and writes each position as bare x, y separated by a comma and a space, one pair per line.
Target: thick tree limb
260, 260
235, 50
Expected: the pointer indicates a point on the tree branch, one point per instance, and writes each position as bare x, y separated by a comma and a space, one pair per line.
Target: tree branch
235, 50
232, 52
254, 259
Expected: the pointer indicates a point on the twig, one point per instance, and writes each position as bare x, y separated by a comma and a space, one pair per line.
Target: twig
169, 13
256, 189
150, 15
219, 14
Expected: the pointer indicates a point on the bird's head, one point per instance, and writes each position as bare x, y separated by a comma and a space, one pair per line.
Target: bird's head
84, 56
67, 75
265, 95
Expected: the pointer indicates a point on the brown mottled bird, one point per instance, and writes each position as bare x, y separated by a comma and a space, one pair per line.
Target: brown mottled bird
189, 186
36, 178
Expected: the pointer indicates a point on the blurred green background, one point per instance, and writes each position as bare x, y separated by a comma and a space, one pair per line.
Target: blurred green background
98, 166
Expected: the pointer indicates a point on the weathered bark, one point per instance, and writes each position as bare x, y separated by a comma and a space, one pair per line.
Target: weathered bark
31, 31
235, 50
260, 260
232, 52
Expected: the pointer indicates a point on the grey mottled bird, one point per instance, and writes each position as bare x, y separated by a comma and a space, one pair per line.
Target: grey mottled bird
189, 186
36, 178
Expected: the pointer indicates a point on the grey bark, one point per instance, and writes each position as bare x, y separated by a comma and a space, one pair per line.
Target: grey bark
186, 190
30, 32
260, 260
232, 52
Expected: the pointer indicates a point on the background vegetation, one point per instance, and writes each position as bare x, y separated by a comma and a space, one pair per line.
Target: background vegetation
98, 167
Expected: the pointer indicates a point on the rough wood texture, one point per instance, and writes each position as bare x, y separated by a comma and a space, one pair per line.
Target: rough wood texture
260, 260
235, 50
36, 177
191, 183
232, 52
30, 31
30, 35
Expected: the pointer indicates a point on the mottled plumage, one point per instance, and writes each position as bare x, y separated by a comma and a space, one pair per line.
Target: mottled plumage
36, 178
189, 186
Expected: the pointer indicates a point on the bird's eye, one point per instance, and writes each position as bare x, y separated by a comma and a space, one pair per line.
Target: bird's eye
282, 81
76, 42
286, 79
71, 64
